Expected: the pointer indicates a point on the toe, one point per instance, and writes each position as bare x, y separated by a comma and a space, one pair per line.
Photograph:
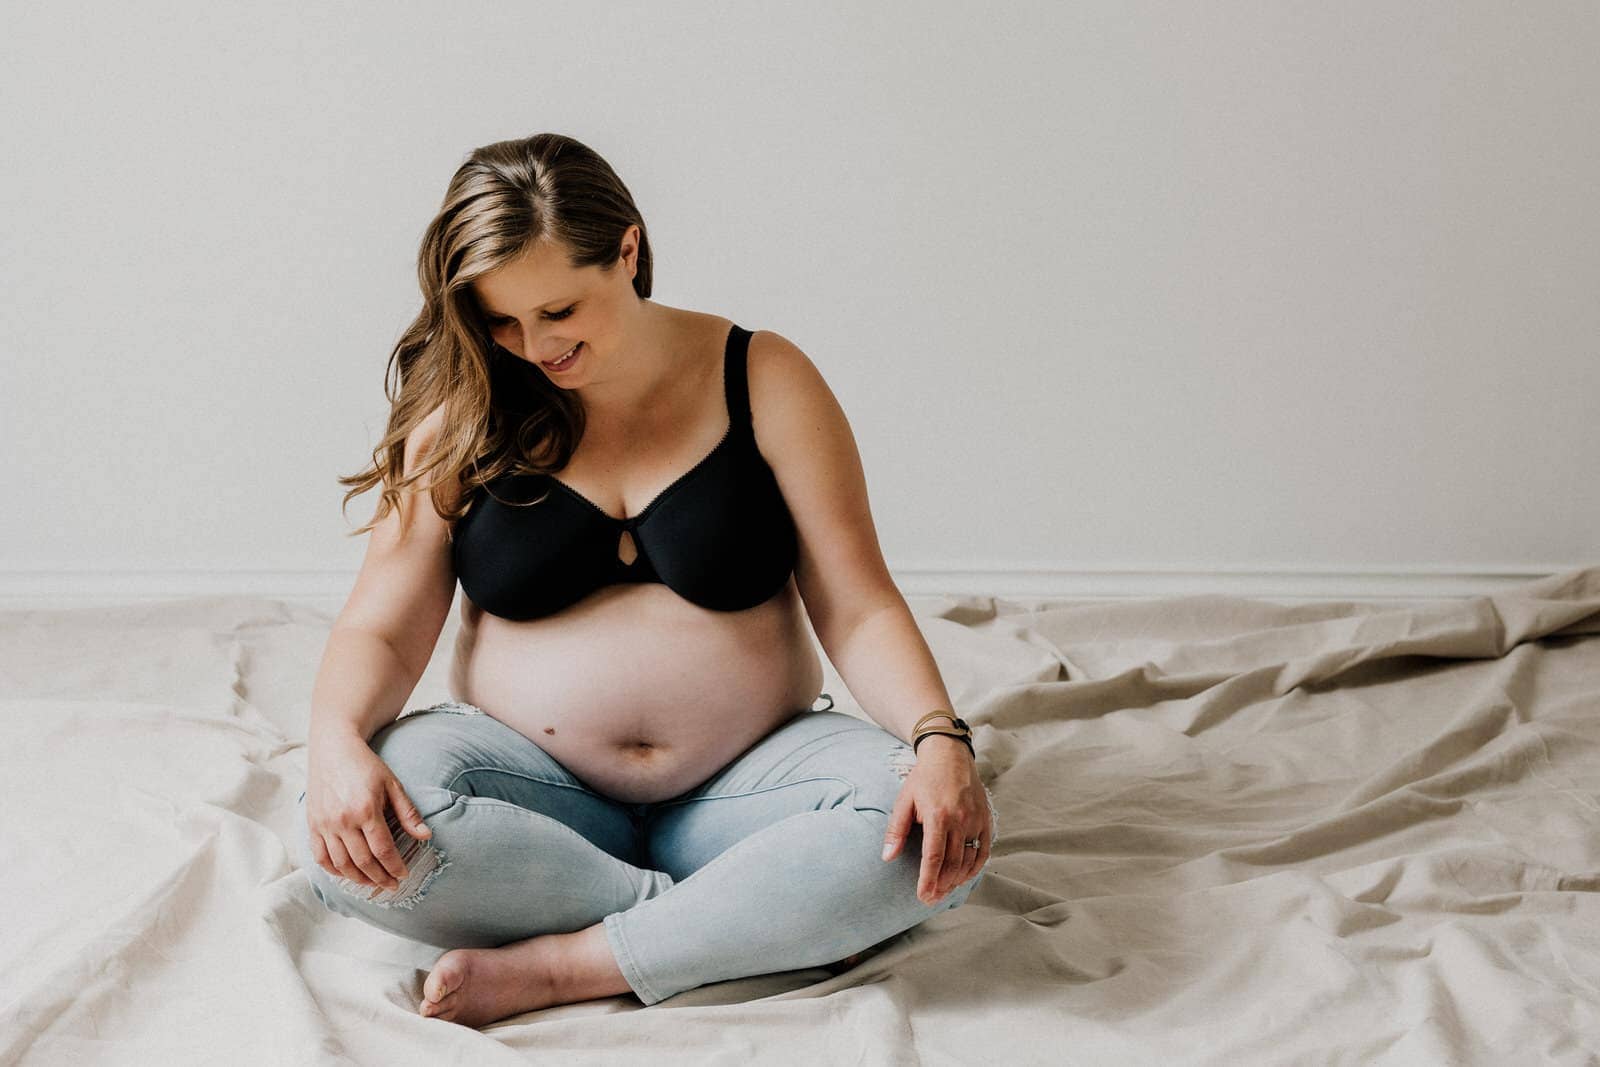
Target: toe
446, 977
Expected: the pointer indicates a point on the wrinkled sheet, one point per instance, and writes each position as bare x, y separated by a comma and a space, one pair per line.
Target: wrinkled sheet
1232, 831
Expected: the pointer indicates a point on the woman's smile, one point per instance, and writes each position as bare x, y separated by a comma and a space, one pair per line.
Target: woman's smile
567, 360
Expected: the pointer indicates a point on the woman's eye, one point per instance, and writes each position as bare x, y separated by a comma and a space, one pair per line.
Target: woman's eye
553, 316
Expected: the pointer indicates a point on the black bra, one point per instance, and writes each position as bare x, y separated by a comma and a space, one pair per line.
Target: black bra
720, 536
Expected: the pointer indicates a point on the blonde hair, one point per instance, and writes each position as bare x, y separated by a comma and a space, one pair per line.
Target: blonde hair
505, 199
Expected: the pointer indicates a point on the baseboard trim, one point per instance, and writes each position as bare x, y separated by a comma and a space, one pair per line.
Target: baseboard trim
1277, 583
328, 590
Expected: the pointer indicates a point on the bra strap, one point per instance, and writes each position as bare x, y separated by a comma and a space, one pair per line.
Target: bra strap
737, 380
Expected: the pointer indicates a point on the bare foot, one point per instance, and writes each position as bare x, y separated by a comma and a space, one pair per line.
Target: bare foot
474, 986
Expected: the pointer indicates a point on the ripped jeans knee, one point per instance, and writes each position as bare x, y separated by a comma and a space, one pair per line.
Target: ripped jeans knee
423, 862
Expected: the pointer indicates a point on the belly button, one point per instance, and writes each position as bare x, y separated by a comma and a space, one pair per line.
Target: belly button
549, 729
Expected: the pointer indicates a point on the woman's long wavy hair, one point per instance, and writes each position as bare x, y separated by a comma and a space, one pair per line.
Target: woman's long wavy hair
506, 198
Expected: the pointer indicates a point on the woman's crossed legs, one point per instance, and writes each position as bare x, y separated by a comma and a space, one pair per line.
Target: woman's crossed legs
772, 864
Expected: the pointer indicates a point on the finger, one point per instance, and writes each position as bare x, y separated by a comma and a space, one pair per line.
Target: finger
319, 851
384, 852
388, 866
355, 841
330, 855
977, 857
974, 856
899, 825
364, 869
339, 861
954, 859
407, 812
985, 839
934, 844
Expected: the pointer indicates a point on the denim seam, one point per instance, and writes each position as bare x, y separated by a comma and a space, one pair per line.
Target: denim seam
768, 789
451, 785
629, 965
496, 804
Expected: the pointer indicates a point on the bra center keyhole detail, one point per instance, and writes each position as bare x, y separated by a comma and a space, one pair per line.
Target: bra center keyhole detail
627, 551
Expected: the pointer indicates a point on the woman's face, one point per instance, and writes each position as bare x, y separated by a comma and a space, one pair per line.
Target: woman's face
540, 308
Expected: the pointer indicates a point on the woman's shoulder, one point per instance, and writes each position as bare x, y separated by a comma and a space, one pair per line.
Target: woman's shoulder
788, 394
424, 439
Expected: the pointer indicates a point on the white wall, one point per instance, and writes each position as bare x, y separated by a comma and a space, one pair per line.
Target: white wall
1270, 298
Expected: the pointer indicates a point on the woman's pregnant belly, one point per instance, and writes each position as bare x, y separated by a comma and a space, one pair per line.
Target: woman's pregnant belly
639, 693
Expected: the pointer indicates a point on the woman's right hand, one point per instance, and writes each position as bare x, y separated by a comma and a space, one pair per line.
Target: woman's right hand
348, 791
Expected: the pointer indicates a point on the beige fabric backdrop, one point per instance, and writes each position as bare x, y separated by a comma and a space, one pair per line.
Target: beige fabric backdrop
1232, 832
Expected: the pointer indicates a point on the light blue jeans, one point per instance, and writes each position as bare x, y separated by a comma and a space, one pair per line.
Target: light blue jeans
772, 864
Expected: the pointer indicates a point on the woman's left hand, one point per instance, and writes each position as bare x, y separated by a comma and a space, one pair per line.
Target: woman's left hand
944, 793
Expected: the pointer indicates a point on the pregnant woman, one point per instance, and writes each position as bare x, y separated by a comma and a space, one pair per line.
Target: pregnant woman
629, 789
